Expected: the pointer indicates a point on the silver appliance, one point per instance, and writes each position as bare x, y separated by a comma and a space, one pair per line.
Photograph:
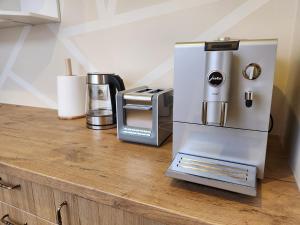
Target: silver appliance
102, 89
222, 100
145, 115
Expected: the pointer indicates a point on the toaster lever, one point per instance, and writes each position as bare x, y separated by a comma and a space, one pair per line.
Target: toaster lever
138, 107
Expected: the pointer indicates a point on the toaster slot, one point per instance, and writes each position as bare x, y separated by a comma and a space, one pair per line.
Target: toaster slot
215, 173
155, 91
143, 90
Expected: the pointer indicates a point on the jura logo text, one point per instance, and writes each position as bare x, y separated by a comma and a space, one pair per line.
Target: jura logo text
215, 78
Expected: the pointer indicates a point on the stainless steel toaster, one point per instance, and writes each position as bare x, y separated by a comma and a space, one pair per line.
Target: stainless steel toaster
144, 115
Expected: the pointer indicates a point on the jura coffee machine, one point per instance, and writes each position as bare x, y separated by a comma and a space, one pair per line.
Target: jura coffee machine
222, 101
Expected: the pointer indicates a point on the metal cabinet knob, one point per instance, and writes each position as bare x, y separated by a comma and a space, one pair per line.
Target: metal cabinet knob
252, 71
5, 220
58, 213
8, 187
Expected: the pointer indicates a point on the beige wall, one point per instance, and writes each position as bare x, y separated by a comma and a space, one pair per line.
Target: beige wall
292, 133
135, 38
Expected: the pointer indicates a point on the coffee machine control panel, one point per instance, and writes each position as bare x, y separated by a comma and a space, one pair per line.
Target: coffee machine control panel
230, 83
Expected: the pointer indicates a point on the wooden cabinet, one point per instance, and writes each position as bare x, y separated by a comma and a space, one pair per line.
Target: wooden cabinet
35, 204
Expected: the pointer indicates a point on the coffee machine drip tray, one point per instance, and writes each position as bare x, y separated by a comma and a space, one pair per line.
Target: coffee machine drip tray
230, 176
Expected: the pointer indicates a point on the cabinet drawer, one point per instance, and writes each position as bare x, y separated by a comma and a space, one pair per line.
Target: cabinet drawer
18, 217
28, 196
39, 200
16, 192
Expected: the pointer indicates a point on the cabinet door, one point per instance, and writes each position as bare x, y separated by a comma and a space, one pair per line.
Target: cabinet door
88, 212
44, 202
70, 211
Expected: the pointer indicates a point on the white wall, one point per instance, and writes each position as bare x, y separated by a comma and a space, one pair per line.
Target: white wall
10, 4
135, 38
292, 133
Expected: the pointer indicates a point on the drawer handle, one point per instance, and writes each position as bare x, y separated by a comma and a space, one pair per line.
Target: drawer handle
58, 213
8, 187
7, 222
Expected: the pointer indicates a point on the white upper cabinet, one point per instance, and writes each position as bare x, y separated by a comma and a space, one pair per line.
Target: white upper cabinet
28, 12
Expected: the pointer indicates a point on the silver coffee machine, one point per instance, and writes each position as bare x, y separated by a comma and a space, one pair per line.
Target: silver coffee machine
222, 100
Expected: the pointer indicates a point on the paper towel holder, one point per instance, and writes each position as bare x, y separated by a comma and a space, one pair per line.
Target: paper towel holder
71, 94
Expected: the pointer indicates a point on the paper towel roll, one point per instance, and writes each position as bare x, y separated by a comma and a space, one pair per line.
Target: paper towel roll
71, 96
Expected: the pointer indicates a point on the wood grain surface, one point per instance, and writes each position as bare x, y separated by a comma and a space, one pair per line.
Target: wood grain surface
36, 146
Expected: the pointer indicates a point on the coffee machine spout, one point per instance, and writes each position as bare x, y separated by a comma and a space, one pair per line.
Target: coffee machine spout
216, 87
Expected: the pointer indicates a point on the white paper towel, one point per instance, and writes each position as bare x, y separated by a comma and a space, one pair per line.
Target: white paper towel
71, 96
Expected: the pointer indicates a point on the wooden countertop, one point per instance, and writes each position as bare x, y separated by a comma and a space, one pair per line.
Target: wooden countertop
36, 146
